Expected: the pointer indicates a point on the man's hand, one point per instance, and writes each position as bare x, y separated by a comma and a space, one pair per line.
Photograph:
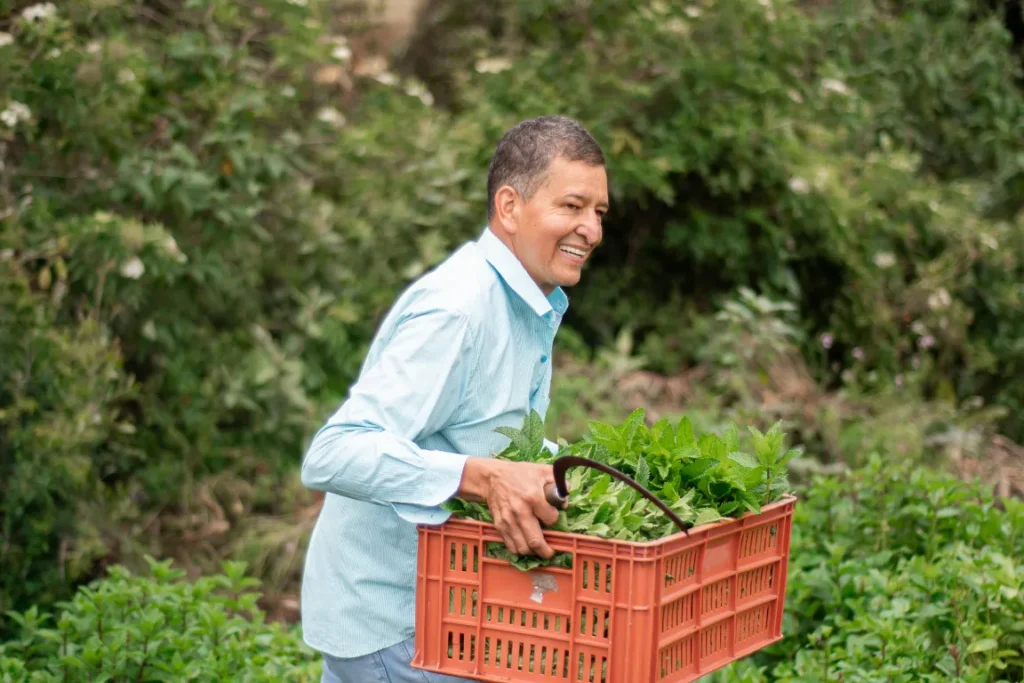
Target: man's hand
514, 492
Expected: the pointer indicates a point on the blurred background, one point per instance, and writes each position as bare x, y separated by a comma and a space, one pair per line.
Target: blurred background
206, 206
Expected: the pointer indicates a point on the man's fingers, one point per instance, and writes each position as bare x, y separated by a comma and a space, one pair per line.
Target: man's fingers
513, 536
546, 513
534, 536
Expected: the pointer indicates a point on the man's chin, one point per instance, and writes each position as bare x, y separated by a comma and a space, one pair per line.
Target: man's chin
569, 281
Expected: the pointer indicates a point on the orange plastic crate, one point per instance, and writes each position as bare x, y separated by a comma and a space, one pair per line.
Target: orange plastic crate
667, 611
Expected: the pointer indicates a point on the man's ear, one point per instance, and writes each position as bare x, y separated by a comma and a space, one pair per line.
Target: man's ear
507, 204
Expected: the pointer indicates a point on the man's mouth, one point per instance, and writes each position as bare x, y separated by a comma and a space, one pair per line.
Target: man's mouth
574, 251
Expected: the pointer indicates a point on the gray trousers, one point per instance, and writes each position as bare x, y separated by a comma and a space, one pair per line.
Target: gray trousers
386, 666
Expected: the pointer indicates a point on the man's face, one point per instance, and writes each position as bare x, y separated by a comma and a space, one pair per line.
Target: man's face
554, 233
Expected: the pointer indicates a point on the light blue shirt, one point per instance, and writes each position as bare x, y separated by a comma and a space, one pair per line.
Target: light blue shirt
465, 349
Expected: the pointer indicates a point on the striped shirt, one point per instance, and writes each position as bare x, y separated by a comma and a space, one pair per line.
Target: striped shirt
465, 349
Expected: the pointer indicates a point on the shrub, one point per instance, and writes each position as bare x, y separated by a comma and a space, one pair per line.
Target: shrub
899, 574
206, 207
158, 628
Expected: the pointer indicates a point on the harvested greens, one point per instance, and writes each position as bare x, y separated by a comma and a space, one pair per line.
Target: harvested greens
702, 478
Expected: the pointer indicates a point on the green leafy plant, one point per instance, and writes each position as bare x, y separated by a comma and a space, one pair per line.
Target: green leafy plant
899, 574
703, 478
158, 628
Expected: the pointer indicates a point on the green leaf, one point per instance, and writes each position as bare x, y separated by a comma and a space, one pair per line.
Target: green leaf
633, 522
983, 645
698, 469
600, 487
684, 433
744, 459
604, 434
712, 447
631, 428
789, 455
643, 472
706, 516
669, 493
732, 438
604, 513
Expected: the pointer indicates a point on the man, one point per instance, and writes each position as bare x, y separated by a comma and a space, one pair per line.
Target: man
466, 349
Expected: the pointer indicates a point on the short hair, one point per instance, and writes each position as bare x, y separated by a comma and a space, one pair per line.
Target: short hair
525, 151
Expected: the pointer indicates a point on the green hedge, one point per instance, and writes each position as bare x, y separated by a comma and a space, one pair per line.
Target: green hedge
895, 575
158, 628
205, 210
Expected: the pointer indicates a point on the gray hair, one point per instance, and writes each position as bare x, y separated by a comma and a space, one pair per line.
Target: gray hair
526, 150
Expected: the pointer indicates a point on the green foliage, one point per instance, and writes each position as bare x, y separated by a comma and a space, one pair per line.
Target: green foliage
158, 628
205, 208
895, 574
868, 181
701, 478
898, 574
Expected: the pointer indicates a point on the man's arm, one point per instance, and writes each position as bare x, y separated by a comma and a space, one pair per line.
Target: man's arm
366, 451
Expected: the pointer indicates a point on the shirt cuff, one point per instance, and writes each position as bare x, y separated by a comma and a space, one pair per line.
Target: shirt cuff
442, 482
551, 446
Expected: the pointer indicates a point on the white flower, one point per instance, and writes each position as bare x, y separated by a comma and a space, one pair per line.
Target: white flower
796, 96
677, 25
15, 112
43, 10
331, 116
125, 76
387, 78
298, 3
288, 91
133, 269
54, 53
172, 248
417, 89
799, 185
92, 47
693, 12
493, 65
989, 241
5, 39
342, 53
884, 259
836, 86
918, 328
939, 299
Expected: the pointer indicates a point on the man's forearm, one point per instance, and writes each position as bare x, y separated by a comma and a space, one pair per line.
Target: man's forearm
376, 466
476, 480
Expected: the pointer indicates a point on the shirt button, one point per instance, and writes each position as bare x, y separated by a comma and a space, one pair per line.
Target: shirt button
544, 359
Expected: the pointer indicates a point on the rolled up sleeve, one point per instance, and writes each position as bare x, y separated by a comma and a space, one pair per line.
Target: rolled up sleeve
413, 388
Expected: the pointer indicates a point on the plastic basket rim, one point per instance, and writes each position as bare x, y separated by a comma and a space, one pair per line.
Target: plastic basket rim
787, 499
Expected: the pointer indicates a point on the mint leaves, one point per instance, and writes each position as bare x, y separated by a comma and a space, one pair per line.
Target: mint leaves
703, 478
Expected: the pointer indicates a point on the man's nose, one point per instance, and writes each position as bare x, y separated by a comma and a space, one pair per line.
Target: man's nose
590, 228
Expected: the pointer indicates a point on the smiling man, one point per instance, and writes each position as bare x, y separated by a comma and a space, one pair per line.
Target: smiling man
465, 349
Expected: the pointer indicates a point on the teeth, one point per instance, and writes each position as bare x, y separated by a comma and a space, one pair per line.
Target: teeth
574, 252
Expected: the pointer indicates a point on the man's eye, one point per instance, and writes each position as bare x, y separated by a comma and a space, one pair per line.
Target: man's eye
574, 207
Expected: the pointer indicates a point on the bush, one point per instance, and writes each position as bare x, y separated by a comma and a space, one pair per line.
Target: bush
895, 574
206, 208
898, 574
158, 628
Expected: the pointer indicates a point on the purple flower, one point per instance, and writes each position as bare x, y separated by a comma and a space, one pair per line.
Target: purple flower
926, 342
826, 340
857, 353
915, 362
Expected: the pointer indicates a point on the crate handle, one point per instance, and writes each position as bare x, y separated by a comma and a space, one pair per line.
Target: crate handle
558, 493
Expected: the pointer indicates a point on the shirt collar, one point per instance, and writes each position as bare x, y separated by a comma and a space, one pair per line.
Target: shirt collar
516, 277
